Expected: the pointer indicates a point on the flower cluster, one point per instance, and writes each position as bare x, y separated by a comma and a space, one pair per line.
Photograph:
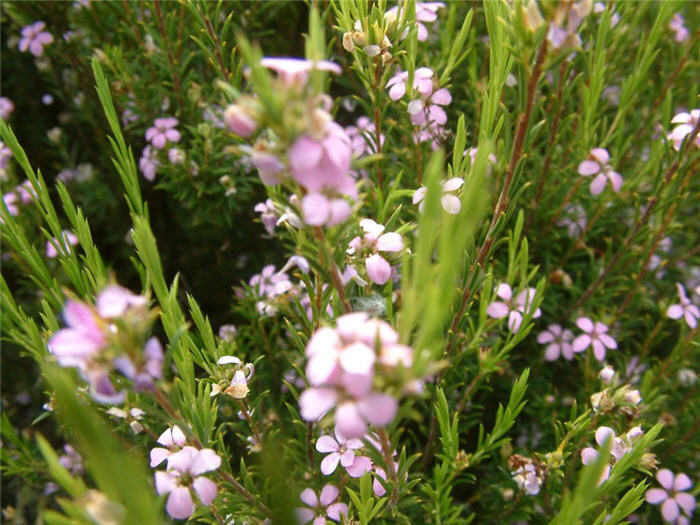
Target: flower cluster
343, 365
619, 446
110, 336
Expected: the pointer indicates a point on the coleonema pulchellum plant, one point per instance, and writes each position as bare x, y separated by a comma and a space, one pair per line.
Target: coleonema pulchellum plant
355, 262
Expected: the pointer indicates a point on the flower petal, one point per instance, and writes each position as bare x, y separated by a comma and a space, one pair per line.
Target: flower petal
205, 489
656, 496
180, 504
665, 477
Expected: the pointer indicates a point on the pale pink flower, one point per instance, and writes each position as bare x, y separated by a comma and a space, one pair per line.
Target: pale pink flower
321, 508
5, 156
598, 163
425, 12
422, 83
10, 201
473, 151
149, 162
595, 335
450, 202
687, 122
82, 340
428, 111
239, 120
295, 71
515, 309
558, 342
363, 137
319, 210
173, 439
684, 309
184, 476
34, 38
618, 447
268, 215
270, 283
114, 301
574, 220
162, 132
370, 244
54, 247
339, 449
323, 164
269, 166
673, 497
677, 25
6, 108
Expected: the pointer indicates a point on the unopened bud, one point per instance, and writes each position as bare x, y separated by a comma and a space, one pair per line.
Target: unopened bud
606, 374
239, 120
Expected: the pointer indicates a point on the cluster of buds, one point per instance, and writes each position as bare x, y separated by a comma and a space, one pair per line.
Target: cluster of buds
353, 367
357, 38
234, 380
185, 466
625, 397
528, 473
112, 335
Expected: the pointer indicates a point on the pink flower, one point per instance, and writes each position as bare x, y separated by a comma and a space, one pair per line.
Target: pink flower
558, 342
339, 449
363, 137
473, 151
268, 215
6, 108
54, 247
685, 309
450, 203
370, 244
618, 448
270, 283
173, 439
184, 475
321, 508
162, 132
596, 335
422, 82
269, 166
10, 201
574, 220
597, 162
687, 122
323, 164
34, 38
673, 497
295, 71
240, 121
114, 301
514, 309
425, 12
83, 338
428, 112
319, 210
677, 25
149, 162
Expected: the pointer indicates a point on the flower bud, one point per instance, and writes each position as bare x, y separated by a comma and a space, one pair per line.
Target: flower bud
606, 374
239, 120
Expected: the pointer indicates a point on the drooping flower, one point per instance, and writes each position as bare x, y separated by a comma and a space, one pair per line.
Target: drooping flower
515, 309
677, 505
34, 38
558, 342
320, 508
598, 163
184, 475
687, 122
162, 132
684, 309
595, 335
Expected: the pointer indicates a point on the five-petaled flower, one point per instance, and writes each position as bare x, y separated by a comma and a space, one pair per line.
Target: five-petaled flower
515, 309
684, 309
162, 132
34, 38
598, 163
596, 335
339, 449
673, 497
321, 508
558, 342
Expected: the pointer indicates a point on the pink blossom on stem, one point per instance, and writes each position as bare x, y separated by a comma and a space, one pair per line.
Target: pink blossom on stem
34, 38
618, 448
684, 309
370, 244
595, 335
320, 508
162, 132
687, 122
514, 309
339, 449
558, 342
295, 71
450, 202
677, 505
598, 163
173, 439
149, 162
